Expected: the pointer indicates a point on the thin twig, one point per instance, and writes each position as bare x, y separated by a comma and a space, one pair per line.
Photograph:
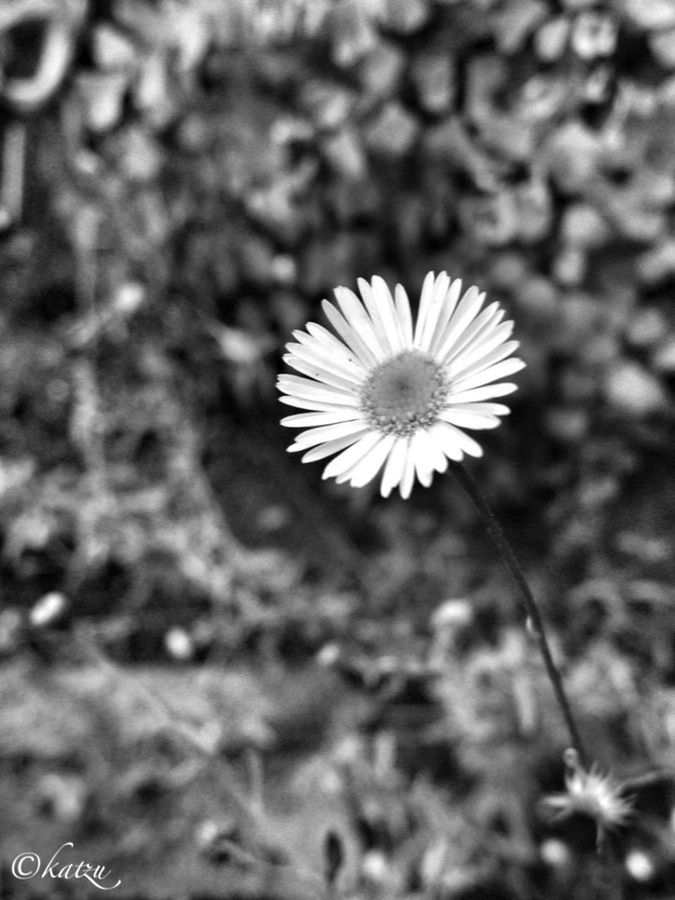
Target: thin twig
529, 603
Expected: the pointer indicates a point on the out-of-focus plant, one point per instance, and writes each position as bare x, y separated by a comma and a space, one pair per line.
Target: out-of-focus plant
201, 175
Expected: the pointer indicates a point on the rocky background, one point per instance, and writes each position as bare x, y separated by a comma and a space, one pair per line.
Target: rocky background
222, 677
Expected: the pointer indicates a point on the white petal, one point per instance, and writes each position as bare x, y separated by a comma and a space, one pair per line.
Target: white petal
337, 347
465, 313
428, 449
326, 359
444, 437
345, 441
331, 447
393, 470
384, 303
446, 312
488, 409
354, 453
463, 419
436, 305
374, 315
424, 476
320, 374
367, 468
408, 477
425, 301
404, 315
492, 373
318, 405
312, 419
365, 356
422, 451
354, 312
482, 393
383, 318
483, 325
463, 441
485, 339
333, 351
312, 390
482, 360
328, 432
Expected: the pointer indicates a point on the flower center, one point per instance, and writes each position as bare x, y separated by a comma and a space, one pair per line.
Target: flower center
404, 393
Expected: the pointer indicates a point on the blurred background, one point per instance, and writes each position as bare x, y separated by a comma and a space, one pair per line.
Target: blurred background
220, 676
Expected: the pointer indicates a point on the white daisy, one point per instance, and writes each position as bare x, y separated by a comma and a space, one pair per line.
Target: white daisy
396, 394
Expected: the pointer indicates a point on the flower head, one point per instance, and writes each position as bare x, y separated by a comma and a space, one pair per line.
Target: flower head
387, 393
592, 793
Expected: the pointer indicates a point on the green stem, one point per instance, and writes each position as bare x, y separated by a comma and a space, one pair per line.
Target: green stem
529, 603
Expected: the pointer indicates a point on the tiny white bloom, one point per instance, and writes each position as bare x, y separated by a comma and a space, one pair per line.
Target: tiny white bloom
393, 393
594, 794
640, 866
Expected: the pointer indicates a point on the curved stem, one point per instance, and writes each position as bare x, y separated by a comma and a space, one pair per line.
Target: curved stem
529, 603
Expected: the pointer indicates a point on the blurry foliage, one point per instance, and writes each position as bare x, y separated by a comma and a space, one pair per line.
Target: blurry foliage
182, 182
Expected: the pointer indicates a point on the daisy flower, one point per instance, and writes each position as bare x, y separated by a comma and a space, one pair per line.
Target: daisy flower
386, 393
